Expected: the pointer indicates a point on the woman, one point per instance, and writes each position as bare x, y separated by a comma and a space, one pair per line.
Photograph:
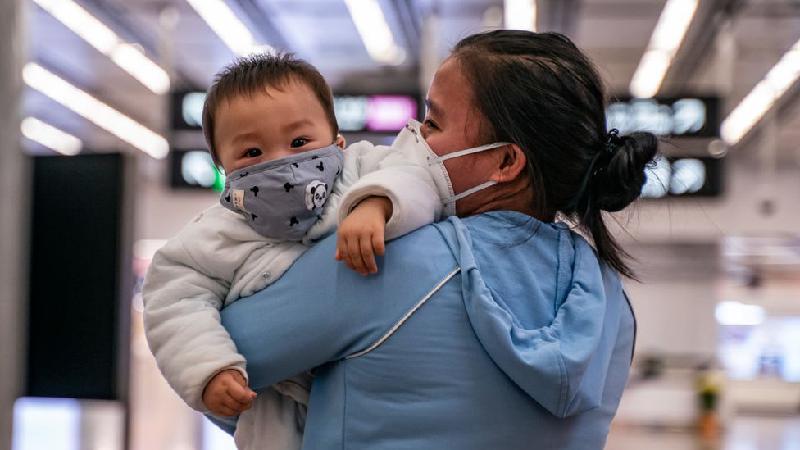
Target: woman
501, 329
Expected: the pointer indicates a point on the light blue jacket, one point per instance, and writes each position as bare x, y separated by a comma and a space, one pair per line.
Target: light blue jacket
492, 332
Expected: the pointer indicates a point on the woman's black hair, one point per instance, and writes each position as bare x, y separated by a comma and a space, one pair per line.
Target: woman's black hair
539, 91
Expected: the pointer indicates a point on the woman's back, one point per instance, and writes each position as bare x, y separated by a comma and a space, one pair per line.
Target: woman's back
480, 351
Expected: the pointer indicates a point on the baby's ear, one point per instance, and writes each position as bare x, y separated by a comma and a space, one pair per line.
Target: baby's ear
340, 141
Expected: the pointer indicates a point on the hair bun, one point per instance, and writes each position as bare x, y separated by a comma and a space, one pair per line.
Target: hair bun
619, 183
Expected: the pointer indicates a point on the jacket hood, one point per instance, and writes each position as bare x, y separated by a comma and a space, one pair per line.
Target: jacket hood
562, 361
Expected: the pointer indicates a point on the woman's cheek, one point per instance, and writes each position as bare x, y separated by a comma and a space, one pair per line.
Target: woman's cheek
436, 143
459, 173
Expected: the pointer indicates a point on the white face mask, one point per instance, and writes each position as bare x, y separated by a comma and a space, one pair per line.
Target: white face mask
411, 142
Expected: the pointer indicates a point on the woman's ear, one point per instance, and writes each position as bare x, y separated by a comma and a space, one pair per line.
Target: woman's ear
512, 163
341, 141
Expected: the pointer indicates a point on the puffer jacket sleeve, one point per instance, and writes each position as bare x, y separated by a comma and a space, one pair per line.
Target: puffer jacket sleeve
387, 172
183, 295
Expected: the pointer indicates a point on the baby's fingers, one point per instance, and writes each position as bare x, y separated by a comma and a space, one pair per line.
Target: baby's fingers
241, 393
225, 411
367, 254
377, 244
341, 246
236, 407
354, 258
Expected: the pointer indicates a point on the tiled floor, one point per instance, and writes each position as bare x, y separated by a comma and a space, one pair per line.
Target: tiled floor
743, 433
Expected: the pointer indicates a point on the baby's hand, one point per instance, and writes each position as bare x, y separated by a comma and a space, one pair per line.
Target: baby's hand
361, 235
227, 394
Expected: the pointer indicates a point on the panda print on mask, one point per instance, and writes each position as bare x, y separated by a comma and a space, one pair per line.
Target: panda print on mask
316, 194
283, 198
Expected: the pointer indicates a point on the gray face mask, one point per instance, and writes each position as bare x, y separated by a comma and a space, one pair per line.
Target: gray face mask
283, 198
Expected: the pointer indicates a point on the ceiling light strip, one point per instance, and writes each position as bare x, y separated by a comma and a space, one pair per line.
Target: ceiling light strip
128, 57
50, 136
763, 97
232, 31
667, 37
375, 32
95, 110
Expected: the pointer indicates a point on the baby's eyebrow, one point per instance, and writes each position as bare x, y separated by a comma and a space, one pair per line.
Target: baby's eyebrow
243, 137
296, 124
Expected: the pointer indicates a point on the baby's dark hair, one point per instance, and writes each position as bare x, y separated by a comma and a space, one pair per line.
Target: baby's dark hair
542, 93
255, 73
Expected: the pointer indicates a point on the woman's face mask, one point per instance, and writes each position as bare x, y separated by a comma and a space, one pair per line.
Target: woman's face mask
283, 198
411, 142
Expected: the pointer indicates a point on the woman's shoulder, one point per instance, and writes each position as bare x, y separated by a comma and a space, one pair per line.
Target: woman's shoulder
511, 248
500, 231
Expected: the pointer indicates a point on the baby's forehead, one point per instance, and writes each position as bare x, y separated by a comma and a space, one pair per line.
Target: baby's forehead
291, 96
272, 91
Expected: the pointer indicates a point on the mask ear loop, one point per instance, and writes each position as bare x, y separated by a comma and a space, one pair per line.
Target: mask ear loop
471, 191
470, 151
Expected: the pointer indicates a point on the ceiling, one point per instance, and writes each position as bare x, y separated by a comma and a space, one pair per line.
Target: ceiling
614, 33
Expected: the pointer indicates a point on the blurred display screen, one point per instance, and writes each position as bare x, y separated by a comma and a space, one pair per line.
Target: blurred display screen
684, 177
187, 110
194, 169
374, 113
682, 116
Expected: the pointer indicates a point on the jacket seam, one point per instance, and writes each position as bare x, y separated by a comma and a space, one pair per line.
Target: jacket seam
344, 409
558, 275
564, 386
406, 316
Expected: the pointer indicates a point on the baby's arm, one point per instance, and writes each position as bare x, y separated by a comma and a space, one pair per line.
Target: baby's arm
391, 194
182, 299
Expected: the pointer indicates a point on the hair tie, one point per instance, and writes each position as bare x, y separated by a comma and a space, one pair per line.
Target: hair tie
612, 145
613, 141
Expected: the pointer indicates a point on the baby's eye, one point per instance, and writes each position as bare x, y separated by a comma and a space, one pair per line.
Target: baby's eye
299, 142
253, 152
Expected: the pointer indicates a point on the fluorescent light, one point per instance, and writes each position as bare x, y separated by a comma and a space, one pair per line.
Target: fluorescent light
227, 26
95, 111
664, 43
81, 23
99, 36
374, 31
520, 14
133, 61
650, 74
50, 136
763, 96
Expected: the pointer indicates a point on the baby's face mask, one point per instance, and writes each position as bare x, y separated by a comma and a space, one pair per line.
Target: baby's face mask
283, 198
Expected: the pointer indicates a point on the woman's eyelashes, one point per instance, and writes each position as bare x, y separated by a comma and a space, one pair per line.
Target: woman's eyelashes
430, 124
299, 142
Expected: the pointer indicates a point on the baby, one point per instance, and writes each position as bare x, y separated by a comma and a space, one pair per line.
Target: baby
269, 122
